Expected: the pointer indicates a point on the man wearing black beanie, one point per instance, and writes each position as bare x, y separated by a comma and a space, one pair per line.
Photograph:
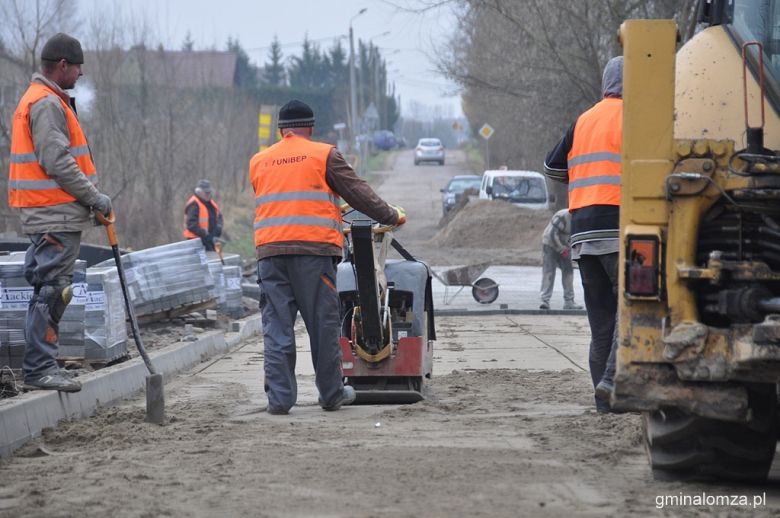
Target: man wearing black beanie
298, 238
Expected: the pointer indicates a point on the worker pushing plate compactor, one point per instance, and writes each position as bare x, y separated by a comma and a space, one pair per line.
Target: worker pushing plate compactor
387, 317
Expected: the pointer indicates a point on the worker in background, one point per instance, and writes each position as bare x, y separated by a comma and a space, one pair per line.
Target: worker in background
299, 239
557, 254
588, 159
202, 217
52, 183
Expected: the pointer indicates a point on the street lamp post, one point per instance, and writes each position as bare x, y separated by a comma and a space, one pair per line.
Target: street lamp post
352, 88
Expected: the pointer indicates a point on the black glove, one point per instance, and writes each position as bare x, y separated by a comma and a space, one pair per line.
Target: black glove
102, 204
208, 241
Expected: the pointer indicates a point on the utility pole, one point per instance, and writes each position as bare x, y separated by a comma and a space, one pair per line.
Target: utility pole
377, 99
352, 88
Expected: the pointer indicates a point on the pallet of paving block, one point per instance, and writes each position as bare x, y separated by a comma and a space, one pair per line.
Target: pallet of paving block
169, 314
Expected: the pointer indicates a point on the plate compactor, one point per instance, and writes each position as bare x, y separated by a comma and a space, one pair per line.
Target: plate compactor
387, 318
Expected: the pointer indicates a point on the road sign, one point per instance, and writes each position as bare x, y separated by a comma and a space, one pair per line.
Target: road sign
486, 131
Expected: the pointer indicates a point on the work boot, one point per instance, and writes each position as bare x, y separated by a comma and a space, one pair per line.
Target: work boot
602, 407
604, 389
55, 381
347, 398
277, 411
544, 305
571, 305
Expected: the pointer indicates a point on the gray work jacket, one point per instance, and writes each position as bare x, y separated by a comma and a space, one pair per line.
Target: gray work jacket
51, 139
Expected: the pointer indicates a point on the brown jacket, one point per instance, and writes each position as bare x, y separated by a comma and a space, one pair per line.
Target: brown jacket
51, 138
353, 190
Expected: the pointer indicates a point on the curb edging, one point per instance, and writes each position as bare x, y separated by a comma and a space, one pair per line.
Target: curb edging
24, 418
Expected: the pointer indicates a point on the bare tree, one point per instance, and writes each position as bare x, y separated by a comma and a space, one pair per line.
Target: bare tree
529, 67
29, 23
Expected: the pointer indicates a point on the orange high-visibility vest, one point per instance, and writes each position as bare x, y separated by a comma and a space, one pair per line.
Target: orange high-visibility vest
594, 158
293, 201
29, 185
203, 216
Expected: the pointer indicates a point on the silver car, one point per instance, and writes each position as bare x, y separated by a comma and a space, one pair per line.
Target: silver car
459, 186
429, 150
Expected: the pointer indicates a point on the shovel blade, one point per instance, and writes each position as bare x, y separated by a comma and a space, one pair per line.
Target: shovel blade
155, 399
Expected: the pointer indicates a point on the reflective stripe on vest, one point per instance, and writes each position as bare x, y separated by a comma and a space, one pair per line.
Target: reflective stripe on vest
594, 158
29, 185
293, 201
203, 216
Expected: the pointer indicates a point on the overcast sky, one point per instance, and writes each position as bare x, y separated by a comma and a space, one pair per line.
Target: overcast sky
408, 48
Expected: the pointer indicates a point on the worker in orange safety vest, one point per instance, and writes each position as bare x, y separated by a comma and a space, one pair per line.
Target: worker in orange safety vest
299, 240
52, 185
587, 158
202, 217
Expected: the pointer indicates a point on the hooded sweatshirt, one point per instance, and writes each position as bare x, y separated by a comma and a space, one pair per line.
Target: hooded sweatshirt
600, 220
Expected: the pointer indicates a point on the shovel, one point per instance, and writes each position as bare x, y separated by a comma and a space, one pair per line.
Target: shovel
155, 398
218, 249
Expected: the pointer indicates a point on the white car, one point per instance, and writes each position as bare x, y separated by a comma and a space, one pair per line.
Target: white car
523, 188
429, 150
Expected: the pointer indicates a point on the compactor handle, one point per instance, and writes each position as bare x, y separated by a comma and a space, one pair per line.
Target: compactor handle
377, 229
108, 222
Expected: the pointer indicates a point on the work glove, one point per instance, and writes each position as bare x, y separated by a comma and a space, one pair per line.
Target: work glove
566, 253
401, 214
103, 204
208, 241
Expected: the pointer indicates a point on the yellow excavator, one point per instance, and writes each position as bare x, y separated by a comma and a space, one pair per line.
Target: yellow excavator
699, 299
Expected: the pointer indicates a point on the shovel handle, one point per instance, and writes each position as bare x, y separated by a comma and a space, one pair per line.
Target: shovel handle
108, 222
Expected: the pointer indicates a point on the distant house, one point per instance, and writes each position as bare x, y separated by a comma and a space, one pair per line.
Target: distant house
172, 68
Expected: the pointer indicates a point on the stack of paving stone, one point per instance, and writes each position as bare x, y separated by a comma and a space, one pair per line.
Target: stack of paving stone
233, 293
216, 271
227, 283
71, 333
167, 277
15, 295
104, 326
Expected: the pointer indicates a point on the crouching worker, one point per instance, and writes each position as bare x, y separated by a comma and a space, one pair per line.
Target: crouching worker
202, 217
298, 237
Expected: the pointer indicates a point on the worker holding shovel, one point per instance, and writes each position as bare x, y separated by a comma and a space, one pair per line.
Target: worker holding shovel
52, 183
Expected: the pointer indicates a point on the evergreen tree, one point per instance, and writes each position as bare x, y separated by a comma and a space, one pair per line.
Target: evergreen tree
188, 45
337, 65
274, 70
307, 70
246, 72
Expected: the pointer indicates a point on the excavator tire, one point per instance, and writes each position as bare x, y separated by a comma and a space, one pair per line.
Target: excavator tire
681, 446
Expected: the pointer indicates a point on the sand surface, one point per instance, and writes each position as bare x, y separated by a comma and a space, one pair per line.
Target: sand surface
508, 428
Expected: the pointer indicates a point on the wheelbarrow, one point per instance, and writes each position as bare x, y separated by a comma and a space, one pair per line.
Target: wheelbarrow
483, 289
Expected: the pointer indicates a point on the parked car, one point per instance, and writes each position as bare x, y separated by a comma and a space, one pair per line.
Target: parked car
429, 150
384, 140
457, 187
524, 188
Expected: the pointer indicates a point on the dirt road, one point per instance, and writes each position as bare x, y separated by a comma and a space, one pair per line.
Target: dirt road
508, 429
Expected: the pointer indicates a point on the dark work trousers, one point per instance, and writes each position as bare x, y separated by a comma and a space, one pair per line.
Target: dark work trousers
599, 275
552, 260
48, 267
305, 283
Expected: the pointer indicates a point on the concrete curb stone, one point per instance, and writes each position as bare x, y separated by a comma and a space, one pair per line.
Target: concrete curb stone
23, 418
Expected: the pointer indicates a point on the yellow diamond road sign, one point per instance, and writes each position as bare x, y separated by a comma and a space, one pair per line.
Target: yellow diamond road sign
486, 131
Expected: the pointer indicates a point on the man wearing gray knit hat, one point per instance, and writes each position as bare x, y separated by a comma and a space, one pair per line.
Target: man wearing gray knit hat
299, 240
52, 183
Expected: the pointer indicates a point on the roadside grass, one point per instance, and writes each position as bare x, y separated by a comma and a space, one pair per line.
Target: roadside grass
377, 162
475, 157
